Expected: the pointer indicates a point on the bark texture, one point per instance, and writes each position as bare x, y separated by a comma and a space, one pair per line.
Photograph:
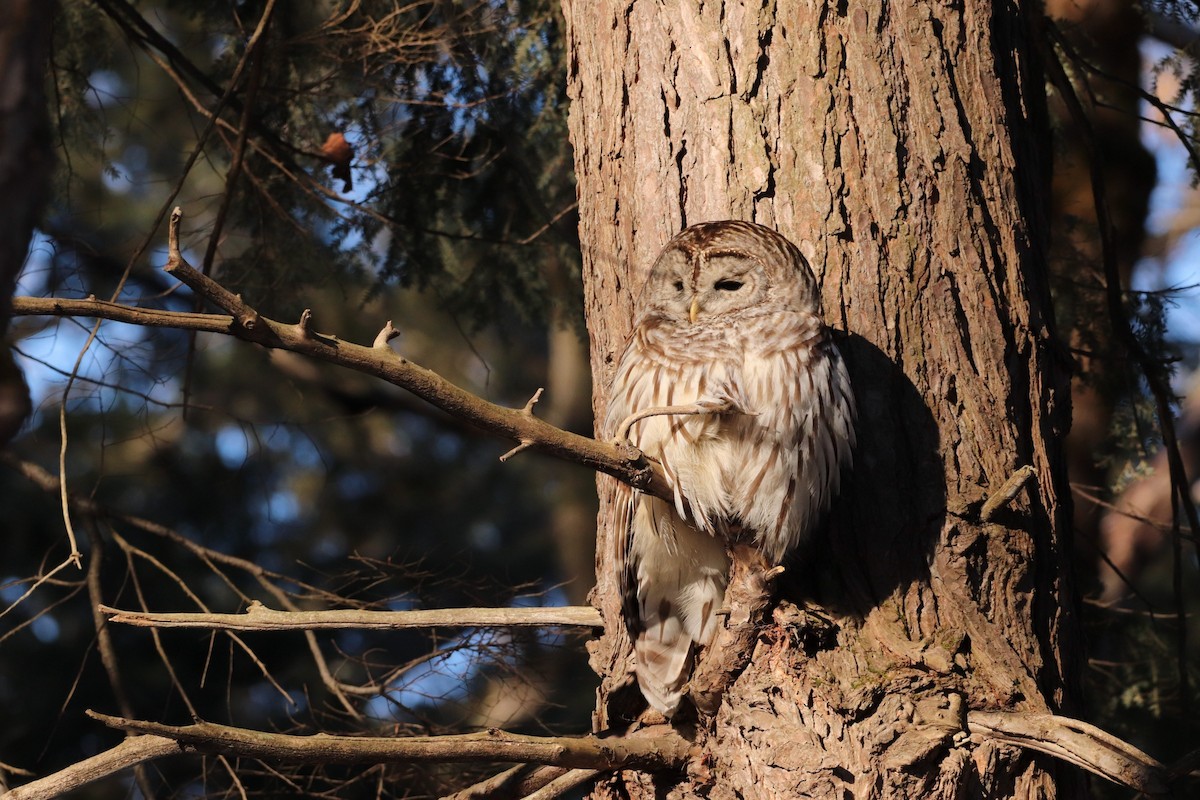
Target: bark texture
899, 146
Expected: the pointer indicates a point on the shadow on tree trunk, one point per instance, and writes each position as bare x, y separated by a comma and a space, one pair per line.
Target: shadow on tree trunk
883, 528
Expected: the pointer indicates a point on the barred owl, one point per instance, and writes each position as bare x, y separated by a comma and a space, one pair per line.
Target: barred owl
731, 382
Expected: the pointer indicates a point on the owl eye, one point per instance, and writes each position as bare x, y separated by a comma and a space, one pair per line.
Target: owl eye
679, 286
727, 285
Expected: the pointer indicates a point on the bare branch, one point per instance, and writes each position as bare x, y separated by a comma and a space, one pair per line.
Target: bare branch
134, 750
1075, 742
203, 285
664, 749
622, 461
260, 618
102, 309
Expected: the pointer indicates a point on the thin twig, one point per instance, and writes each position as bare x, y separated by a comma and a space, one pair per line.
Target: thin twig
36, 584
166, 661
75, 556
210, 558
1099, 501
1167, 110
131, 550
231, 177
104, 644
692, 409
239, 149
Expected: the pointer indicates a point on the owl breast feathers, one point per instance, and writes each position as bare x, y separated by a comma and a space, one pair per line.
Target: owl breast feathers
754, 423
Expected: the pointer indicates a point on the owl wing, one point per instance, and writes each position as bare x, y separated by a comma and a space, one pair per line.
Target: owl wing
794, 450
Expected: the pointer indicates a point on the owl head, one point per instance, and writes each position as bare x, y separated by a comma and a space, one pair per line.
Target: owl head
719, 270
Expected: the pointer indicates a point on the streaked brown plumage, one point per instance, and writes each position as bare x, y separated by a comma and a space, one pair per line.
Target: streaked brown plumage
729, 327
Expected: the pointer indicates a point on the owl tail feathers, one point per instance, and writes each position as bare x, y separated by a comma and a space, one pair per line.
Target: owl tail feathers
665, 645
664, 664
678, 610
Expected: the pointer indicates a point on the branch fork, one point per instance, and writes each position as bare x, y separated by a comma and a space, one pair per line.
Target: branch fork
527, 411
206, 287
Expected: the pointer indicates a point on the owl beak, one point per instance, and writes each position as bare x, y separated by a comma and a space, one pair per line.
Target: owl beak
695, 309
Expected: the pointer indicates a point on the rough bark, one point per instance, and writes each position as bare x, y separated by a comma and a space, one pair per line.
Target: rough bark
902, 151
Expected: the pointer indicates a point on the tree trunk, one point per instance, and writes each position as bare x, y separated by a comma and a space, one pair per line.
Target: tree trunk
903, 153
